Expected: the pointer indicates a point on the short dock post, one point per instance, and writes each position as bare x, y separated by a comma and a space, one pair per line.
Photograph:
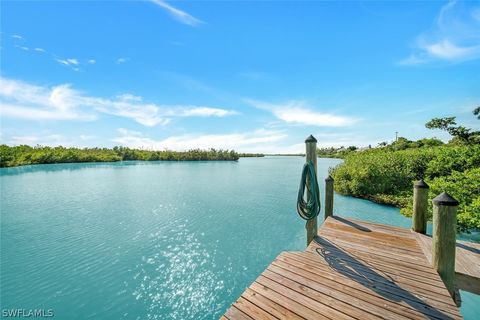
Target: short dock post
311, 155
443, 237
328, 197
420, 206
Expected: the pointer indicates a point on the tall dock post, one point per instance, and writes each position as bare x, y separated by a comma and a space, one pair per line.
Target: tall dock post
420, 206
328, 197
443, 239
311, 155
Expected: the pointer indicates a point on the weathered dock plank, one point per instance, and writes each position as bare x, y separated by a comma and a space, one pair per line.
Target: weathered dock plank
351, 270
467, 262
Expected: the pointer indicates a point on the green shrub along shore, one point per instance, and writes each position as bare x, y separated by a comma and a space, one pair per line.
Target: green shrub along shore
386, 174
25, 155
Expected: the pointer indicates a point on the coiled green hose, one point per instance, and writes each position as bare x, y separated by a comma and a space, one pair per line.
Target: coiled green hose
311, 208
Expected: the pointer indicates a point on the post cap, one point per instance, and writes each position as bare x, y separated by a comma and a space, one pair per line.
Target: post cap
329, 178
420, 184
444, 199
311, 139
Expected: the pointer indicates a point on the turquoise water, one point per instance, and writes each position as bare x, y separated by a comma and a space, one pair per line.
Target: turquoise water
154, 240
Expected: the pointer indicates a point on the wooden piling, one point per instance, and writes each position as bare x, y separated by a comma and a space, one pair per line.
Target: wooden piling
420, 206
443, 239
328, 197
311, 155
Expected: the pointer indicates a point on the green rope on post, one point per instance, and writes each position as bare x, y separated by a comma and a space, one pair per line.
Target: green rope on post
311, 208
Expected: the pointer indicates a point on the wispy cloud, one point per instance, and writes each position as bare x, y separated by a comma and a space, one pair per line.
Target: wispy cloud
298, 112
24, 48
70, 62
146, 114
150, 115
412, 60
26, 101
122, 60
193, 111
238, 141
178, 14
74, 63
454, 37
449, 51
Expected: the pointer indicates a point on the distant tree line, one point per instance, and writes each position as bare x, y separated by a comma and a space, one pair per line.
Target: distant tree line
25, 155
251, 155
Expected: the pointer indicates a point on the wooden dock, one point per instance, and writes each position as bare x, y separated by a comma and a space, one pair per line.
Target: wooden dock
467, 262
351, 270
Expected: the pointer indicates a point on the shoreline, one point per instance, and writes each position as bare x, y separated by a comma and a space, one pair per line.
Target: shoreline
120, 161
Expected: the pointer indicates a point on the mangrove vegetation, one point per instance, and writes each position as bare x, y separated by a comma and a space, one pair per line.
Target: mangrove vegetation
25, 155
386, 173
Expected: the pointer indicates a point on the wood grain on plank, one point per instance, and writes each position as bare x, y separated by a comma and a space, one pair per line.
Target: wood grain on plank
352, 270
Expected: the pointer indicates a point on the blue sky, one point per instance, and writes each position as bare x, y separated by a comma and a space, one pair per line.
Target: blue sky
250, 76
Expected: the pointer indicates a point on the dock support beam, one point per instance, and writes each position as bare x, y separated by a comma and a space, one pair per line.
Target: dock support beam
420, 207
328, 197
443, 239
311, 155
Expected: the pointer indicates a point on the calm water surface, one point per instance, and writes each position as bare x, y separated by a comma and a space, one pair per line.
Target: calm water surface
164, 240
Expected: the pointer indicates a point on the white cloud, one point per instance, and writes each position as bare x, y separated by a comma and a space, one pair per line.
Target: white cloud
23, 48
454, 37
39, 49
449, 51
25, 101
150, 115
178, 14
122, 60
237, 141
193, 111
91, 61
129, 97
70, 62
297, 112
17, 36
146, 114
